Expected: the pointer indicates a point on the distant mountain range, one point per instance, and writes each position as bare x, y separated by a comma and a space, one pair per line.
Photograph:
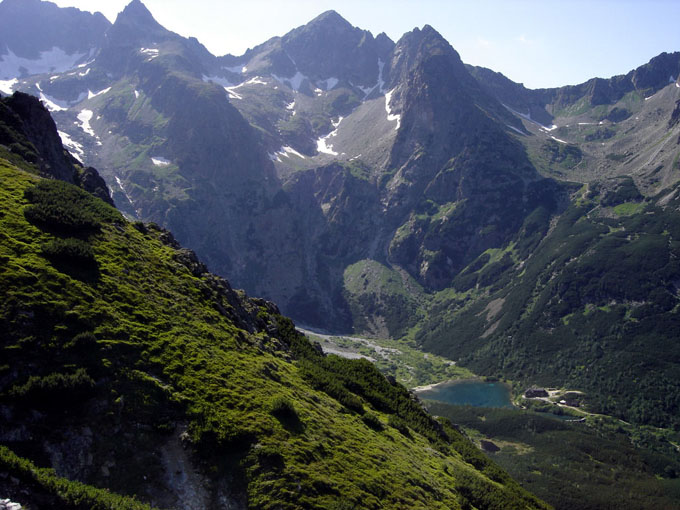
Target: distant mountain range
387, 188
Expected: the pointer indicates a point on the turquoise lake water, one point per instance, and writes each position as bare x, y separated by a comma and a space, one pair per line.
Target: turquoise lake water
474, 393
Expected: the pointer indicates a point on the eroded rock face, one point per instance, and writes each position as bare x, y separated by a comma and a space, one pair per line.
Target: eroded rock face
675, 116
29, 130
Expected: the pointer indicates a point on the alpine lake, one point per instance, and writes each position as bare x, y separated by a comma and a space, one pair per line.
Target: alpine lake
476, 393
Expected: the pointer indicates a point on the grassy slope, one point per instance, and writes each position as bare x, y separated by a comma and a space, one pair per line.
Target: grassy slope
150, 351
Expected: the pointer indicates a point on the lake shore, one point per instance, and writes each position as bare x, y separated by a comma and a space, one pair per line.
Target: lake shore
434, 386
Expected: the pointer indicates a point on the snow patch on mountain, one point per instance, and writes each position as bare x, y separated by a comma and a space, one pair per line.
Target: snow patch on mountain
322, 143
136, 94
321, 146
236, 69
285, 152
158, 161
73, 147
55, 60
294, 83
390, 116
331, 83
380, 85
231, 89
51, 103
91, 94
151, 52
7, 85
527, 116
87, 71
558, 140
120, 185
258, 80
85, 116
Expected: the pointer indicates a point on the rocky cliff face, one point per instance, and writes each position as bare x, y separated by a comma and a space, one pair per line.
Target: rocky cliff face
27, 131
453, 163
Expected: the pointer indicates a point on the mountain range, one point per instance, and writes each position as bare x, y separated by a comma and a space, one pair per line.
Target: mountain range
385, 188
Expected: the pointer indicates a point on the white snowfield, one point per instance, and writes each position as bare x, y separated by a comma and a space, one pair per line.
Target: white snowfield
158, 161
6, 86
391, 117
85, 116
73, 147
322, 145
55, 60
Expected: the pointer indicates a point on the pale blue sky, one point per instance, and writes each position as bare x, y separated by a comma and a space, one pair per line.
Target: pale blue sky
541, 43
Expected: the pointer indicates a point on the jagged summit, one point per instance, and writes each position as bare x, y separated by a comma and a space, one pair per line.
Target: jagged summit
137, 10
134, 24
419, 45
330, 18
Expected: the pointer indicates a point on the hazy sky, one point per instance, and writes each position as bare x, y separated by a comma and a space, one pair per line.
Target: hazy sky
541, 43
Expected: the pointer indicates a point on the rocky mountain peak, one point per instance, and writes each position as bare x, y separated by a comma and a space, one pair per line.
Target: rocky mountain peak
135, 24
418, 46
326, 47
330, 19
136, 9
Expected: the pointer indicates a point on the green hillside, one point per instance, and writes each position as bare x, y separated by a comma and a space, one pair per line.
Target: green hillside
126, 366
